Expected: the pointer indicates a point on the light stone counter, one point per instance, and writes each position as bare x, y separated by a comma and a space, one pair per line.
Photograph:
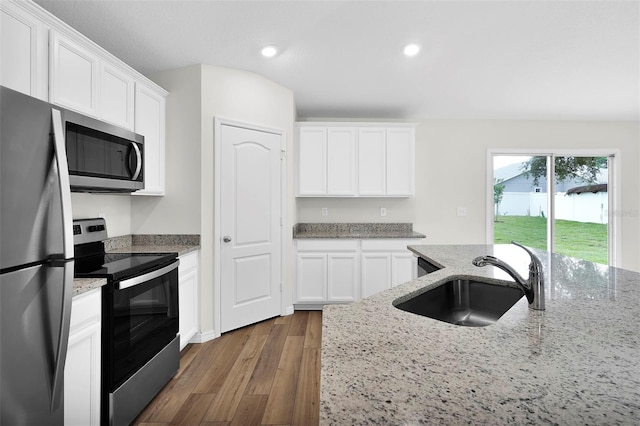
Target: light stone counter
358, 231
577, 362
181, 244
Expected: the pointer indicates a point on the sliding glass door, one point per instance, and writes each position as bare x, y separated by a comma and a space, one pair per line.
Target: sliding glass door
555, 202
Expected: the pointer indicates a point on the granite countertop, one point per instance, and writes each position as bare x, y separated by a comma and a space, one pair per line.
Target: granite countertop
181, 244
574, 363
355, 230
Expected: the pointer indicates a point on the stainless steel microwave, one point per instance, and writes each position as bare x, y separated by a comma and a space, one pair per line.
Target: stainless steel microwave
102, 157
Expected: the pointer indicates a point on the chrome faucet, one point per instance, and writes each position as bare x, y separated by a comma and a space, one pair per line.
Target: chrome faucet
533, 287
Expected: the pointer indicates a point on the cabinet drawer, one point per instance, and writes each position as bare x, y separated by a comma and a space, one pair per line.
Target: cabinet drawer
188, 261
388, 244
86, 307
327, 245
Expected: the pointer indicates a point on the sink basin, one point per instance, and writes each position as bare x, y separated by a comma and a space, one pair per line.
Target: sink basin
470, 303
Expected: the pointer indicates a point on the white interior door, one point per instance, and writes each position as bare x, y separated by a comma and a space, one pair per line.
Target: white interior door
250, 212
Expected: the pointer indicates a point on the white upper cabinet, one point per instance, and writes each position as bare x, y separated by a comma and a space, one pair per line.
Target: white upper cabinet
150, 121
312, 161
43, 57
23, 43
82, 81
372, 158
341, 155
326, 161
400, 161
356, 160
73, 75
117, 96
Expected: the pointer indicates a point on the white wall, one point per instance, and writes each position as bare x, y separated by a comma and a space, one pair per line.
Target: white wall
451, 168
115, 208
198, 94
399, 210
178, 211
249, 98
451, 173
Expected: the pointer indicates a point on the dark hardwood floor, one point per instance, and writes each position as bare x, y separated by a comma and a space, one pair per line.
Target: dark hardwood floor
264, 374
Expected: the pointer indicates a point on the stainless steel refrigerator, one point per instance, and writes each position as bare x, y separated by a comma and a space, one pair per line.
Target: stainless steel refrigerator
36, 261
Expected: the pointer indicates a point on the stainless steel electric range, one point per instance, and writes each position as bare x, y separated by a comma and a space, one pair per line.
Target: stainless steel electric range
140, 342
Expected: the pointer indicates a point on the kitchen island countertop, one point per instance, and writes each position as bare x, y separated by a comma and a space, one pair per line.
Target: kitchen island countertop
574, 363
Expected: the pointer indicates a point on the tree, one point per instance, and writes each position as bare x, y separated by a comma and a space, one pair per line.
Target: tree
585, 168
498, 192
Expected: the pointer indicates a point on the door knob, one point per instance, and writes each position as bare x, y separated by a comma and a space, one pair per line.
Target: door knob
226, 238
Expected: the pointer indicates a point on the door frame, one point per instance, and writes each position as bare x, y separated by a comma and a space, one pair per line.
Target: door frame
614, 238
217, 232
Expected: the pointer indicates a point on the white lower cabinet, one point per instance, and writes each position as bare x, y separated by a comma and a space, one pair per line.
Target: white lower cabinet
376, 273
342, 270
82, 368
326, 271
188, 296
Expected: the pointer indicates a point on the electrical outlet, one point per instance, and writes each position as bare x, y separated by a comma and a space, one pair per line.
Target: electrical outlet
383, 211
325, 211
462, 211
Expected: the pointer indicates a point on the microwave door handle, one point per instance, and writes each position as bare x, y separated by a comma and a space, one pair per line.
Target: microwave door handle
138, 161
63, 182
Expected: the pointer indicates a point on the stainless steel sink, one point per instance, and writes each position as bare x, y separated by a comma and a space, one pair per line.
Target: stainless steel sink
470, 303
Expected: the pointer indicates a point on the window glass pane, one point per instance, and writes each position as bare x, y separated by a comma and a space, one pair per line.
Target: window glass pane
582, 208
520, 200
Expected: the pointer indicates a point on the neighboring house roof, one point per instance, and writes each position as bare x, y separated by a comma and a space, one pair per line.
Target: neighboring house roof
508, 172
512, 171
600, 187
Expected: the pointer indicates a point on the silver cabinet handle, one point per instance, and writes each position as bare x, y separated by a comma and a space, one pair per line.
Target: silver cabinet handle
138, 161
226, 239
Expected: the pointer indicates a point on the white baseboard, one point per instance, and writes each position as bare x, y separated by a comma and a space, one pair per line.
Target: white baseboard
204, 336
288, 310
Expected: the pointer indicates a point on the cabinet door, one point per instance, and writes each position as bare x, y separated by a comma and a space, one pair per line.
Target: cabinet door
23, 43
311, 277
376, 273
371, 161
117, 97
400, 161
73, 75
342, 277
312, 161
403, 267
82, 367
150, 122
341, 161
188, 297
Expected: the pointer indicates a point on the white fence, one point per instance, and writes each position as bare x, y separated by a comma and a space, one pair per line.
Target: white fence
585, 207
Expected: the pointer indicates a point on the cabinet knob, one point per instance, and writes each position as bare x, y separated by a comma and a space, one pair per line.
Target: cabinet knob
226, 238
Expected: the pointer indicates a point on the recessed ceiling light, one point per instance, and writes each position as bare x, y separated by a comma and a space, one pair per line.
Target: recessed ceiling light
269, 51
411, 49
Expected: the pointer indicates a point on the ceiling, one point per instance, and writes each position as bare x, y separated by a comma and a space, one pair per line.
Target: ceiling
479, 59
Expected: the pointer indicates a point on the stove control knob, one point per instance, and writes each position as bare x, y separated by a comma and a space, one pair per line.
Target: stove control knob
226, 238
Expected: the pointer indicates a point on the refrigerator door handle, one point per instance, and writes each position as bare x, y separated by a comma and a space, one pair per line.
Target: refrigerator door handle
63, 338
63, 181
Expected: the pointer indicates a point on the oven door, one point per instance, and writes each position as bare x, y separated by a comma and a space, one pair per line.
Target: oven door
142, 319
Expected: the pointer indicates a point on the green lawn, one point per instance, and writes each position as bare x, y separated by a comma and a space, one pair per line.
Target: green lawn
582, 240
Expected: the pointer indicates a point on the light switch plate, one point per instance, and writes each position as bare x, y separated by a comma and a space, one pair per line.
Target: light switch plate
383, 211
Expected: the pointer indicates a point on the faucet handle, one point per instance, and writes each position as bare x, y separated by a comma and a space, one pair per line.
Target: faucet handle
535, 267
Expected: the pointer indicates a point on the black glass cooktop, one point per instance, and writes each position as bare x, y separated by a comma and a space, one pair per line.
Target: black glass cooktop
119, 265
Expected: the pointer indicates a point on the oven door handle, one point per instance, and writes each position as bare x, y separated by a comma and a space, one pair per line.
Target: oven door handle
147, 277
